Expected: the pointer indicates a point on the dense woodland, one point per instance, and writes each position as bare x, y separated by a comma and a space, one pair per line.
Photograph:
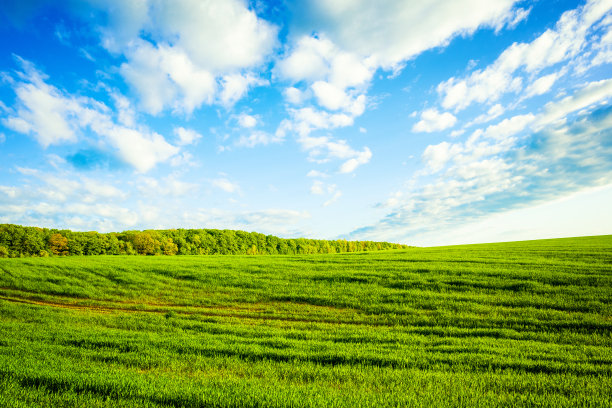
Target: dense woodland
19, 241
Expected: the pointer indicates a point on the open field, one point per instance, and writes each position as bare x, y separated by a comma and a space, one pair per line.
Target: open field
514, 324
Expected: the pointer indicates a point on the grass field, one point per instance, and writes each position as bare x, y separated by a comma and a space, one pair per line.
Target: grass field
513, 324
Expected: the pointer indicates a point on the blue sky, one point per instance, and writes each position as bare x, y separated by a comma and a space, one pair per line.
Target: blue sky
435, 123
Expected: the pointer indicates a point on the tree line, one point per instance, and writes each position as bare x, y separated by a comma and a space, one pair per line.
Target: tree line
20, 241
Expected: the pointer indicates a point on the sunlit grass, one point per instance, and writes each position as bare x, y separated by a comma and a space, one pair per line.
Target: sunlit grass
515, 324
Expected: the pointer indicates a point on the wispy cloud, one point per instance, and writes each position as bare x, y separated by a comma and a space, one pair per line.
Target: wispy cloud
517, 162
563, 43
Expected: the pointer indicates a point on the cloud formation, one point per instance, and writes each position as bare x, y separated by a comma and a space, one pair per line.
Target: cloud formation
519, 161
54, 117
566, 41
186, 53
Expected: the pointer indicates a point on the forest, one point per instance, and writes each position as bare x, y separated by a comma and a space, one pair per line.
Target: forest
20, 241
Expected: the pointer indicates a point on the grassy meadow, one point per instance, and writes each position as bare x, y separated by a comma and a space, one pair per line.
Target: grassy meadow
512, 324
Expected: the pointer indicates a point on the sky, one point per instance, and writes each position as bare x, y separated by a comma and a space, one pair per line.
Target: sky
423, 123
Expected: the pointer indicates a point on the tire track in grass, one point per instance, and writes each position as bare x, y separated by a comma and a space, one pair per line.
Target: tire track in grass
208, 311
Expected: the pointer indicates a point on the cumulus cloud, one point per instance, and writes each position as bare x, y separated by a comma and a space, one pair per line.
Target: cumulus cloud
322, 149
436, 156
183, 54
348, 42
55, 117
247, 121
186, 136
433, 121
295, 96
165, 76
235, 86
42, 110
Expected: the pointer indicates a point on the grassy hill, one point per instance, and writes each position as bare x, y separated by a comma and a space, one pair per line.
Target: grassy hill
513, 324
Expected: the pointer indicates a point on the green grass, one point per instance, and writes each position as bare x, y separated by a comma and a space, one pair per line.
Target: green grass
513, 324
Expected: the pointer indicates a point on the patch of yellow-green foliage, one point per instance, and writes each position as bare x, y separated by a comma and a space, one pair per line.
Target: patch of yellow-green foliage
514, 324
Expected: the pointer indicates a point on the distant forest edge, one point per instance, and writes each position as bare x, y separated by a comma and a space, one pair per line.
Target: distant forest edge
19, 241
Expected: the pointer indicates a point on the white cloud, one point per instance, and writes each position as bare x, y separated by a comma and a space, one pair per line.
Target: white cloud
509, 127
333, 199
333, 98
323, 148
220, 35
125, 112
165, 76
235, 86
481, 86
186, 136
165, 186
316, 173
542, 85
10, 192
494, 111
258, 138
142, 150
43, 110
336, 78
593, 93
247, 121
280, 222
97, 190
189, 46
320, 188
329, 96
354, 39
564, 42
603, 47
305, 120
308, 60
521, 160
295, 96
360, 158
433, 121
54, 117
317, 187
60, 199
226, 185
436, 156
